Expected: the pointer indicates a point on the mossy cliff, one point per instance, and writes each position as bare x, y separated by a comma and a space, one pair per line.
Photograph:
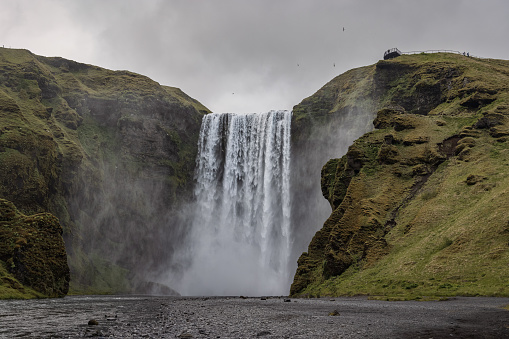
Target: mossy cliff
110, 153
33, 260
323, 126
419, 204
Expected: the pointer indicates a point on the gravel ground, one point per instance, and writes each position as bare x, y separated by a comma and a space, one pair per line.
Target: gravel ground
238, 317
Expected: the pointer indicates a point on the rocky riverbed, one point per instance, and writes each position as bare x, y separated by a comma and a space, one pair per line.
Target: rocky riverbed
239, 317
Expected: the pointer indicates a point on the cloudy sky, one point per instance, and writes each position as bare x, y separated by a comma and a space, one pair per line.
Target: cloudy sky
249, 55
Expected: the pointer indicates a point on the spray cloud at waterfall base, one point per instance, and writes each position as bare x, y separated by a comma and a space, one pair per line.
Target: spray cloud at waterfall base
240, 239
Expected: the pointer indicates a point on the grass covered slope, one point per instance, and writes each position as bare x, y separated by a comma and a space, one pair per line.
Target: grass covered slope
110, 153
420, 203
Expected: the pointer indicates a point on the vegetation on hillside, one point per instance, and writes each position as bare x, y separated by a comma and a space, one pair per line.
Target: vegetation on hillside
33, 260
419, 204
110, 153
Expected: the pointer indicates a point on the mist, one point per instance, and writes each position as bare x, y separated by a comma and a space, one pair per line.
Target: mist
318, 143
225, 251
238, 228
239, 240
129, 221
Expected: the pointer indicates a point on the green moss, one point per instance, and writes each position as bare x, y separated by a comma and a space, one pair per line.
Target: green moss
456, 244
103, 277
411, 226
32, 255
68, 138
99, 142
353, 89
11, 288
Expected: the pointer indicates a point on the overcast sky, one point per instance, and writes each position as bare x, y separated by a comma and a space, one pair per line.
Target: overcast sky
249, 55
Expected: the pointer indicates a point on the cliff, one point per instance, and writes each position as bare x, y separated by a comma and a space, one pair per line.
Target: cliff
110, 153
323, 127
105, 160
33, 256
419, 203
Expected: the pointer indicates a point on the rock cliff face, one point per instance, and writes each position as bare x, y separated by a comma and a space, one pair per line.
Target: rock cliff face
323, 126
418, 199
110, 153
33, 251
418, 204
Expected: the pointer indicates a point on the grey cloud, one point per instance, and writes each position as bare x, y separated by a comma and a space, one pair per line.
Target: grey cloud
271, 54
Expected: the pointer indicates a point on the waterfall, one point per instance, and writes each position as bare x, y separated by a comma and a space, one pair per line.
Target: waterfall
240, 240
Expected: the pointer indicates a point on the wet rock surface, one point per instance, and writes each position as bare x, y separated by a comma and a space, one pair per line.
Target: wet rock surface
179, 317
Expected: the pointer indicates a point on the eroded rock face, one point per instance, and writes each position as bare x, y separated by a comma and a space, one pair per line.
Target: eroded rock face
33, 251
110, 153
427, 113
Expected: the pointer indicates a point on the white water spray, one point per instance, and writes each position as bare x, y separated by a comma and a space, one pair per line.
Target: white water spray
241, 234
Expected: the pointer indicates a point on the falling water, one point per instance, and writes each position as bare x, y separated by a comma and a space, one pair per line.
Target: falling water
240, 238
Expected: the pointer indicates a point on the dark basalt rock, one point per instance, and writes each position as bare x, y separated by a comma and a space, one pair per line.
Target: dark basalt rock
388, 154
490, 120
477, 100
385, 117
473, 179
